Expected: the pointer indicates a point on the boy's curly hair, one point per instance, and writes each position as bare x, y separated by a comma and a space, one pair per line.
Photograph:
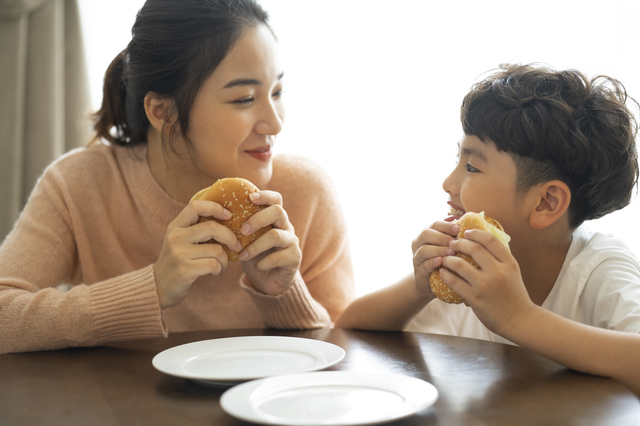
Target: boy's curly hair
560, 125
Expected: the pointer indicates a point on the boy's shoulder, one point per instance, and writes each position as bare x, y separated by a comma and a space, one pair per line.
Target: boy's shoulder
590, 248
599, 283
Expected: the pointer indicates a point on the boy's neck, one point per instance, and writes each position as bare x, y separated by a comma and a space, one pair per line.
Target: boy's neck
541, 261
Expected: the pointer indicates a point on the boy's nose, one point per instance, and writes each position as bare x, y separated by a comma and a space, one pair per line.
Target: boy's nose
449, 184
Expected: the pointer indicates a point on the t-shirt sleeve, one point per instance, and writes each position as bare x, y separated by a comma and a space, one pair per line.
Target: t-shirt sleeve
611, 298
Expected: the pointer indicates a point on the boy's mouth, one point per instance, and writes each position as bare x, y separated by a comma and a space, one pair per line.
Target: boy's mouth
455, 212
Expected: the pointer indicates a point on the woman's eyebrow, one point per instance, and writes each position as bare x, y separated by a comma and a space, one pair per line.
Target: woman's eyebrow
247, 82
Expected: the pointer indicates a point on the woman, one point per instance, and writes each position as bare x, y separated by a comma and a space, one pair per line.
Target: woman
196, 96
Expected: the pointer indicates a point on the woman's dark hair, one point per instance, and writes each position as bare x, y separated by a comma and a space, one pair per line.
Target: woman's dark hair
175, 46
559, 125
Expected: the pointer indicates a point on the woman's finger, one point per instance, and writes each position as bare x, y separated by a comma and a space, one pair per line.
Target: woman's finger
266, 198
288, 258
210, 229
275, 216
191, 214
272, 239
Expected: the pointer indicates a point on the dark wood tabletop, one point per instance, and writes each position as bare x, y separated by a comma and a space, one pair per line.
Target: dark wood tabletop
479, 383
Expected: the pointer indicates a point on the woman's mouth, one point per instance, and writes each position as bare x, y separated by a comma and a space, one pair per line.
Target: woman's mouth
262, 154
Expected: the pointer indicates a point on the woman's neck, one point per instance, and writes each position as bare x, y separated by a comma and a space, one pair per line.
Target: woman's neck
170, 170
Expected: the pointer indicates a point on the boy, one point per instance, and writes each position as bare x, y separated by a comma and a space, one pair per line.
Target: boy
543, 151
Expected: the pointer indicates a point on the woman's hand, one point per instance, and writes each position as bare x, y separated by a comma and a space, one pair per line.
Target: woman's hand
183, 258
272, 261
495, 292
429, 248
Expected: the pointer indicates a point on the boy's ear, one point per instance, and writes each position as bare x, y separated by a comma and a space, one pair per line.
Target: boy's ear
158, 110
553, 199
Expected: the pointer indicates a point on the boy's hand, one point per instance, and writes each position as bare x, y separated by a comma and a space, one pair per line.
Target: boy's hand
429, 248
495, 292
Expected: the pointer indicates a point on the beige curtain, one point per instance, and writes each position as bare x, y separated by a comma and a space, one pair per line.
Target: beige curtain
44, 95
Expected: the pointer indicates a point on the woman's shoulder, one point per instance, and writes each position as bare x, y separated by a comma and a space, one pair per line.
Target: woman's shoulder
305, 186
88, 171
296, 171
83, 160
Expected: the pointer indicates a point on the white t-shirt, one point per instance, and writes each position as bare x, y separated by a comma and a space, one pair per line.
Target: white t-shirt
598, 285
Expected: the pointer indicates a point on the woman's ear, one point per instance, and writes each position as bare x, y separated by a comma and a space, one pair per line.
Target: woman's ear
158, 110
553, 199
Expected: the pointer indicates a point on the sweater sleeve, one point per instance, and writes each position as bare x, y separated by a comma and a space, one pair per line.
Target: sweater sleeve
325, 286
293, 309
41, 253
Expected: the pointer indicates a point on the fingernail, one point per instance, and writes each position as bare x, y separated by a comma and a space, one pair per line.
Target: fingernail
239, 246
451, 252
245, 228
227, 213
243, 255
255, 196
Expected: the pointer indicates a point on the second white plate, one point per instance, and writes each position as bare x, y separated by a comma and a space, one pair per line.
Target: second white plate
328, 398
232, 360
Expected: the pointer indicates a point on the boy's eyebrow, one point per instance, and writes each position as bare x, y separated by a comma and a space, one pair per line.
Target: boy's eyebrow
247, 82
476, 153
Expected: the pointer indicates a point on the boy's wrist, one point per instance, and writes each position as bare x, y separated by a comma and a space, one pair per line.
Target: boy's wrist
520, 321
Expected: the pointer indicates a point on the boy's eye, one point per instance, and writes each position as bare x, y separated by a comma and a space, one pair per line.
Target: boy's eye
471, 169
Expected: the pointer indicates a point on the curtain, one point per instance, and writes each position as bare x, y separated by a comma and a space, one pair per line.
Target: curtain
44, 95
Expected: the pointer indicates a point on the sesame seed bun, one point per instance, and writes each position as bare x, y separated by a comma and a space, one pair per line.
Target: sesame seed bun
468, 221
233, 194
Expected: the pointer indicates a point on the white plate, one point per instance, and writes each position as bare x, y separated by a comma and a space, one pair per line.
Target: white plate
228, 361
328, 398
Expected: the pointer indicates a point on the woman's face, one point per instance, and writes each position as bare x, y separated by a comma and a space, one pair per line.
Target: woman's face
238, 112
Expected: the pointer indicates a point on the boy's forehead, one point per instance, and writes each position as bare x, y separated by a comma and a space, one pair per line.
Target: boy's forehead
486, 151
473, 145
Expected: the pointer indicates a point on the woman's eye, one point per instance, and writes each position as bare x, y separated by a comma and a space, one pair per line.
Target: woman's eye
278, 93
245, 101
471, 169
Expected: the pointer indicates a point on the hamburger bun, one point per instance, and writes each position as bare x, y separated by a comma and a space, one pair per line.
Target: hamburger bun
468, 221
233, 194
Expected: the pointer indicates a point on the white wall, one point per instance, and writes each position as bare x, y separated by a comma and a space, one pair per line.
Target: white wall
373, 90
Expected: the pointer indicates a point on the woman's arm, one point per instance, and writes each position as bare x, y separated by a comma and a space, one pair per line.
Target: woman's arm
41, 253
324, 285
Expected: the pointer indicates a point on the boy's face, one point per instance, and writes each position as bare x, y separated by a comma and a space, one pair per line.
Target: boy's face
485, 180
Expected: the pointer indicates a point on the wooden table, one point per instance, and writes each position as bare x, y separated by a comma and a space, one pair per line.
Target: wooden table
479, 383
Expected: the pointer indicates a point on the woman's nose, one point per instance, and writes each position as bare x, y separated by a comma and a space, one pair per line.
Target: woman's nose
271, 120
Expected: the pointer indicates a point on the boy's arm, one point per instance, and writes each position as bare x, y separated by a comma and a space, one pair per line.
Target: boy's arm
499, 299
392, 308
578, 346
388, 309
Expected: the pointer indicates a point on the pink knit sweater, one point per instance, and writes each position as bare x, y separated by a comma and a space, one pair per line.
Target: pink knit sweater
97, 219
